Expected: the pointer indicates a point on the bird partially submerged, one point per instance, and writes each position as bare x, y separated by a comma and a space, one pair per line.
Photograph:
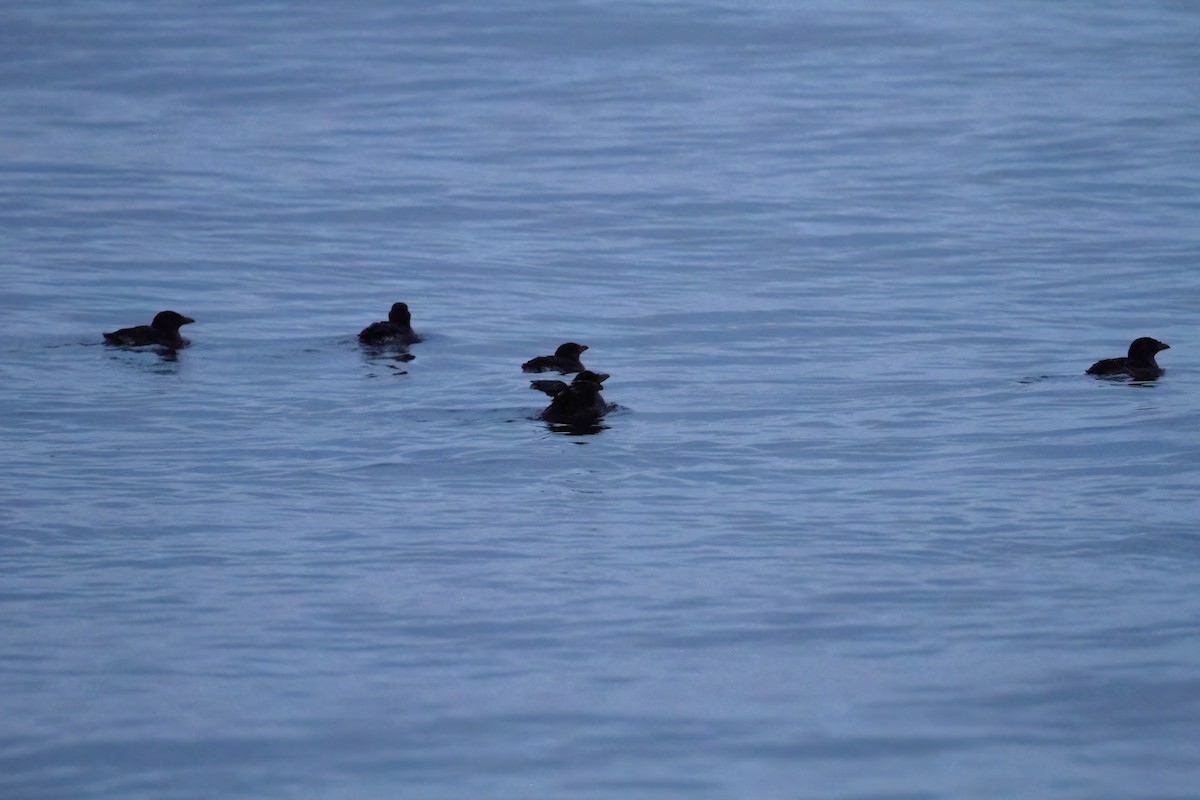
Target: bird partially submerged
163, 331
1139, 364
564, 361
396, 329
576, 403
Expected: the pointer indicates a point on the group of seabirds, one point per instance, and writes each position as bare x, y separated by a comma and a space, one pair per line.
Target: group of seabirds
575, 404
578, 403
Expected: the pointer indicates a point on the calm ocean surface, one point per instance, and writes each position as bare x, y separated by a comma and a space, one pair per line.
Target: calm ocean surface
859, 528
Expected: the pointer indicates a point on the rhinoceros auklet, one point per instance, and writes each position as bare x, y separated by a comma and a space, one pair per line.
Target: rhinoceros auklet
396, 329
553, 387
565, 360
576, 403
1139, 364
162, 331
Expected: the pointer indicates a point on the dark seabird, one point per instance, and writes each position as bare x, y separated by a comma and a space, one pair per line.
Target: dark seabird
576, 403
553, 387
1139, 364
397, 329
565, 360
163, 331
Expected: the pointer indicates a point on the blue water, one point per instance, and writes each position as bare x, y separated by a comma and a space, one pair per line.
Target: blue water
859, 527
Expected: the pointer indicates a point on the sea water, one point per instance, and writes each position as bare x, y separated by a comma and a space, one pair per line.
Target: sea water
857, 527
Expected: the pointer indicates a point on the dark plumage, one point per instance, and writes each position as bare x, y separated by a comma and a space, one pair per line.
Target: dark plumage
397, 329
554, 387
1139, 364
565, 360
576, 403
162, 331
